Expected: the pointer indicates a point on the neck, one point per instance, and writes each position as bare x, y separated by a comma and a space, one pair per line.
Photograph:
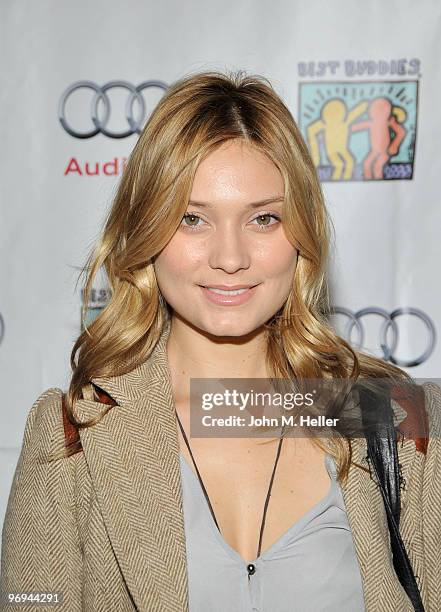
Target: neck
193, 353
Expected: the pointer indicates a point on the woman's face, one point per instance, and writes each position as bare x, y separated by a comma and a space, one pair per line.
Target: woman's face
227, 239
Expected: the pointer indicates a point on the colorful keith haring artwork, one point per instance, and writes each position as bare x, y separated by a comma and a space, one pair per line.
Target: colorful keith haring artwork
360, 131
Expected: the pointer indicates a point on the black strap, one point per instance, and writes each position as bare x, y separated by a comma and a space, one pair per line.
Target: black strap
381, 438
205, 491
269, 493
197, 471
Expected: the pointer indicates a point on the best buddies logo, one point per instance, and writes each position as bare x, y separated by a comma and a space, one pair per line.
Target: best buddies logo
362, 126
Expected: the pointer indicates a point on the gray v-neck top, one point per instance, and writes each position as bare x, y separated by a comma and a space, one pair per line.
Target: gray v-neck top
312, 567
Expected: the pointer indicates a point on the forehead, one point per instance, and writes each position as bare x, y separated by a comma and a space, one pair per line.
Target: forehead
236, 171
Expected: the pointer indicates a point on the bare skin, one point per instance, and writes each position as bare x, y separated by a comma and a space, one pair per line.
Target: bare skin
228, 247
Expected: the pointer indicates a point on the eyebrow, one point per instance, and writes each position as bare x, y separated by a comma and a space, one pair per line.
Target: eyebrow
250, 205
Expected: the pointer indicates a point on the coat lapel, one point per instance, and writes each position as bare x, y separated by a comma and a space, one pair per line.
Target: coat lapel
133, 458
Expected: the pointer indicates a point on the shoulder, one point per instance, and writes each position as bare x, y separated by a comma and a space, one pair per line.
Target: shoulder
419, 448
432, 465
49, 427
46, 405
432, 393
44, 424
43, 471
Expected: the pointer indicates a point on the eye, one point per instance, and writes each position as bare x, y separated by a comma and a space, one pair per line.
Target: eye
192, 217
266, 218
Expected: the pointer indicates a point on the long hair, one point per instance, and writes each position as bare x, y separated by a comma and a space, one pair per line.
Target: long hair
197, 114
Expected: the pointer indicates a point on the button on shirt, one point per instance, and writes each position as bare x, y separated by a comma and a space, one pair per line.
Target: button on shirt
312, 567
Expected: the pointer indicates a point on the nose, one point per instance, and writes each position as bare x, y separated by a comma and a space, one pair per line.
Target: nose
230, 249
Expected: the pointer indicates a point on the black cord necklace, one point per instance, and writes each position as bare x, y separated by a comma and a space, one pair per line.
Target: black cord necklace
206, 494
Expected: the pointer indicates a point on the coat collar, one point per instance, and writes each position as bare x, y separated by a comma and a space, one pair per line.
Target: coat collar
133, 459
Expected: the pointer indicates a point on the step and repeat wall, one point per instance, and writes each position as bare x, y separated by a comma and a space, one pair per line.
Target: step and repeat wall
79, 80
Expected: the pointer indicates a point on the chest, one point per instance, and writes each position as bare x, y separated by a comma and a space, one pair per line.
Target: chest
237, 476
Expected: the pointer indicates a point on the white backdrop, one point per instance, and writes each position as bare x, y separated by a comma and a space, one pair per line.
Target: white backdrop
361, 79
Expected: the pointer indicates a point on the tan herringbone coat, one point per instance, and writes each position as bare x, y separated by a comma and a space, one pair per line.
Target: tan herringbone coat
105, 526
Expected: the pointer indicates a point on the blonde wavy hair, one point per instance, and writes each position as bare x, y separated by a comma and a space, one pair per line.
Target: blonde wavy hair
196, 115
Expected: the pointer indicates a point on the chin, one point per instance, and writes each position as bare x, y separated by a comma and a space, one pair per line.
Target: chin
229, 329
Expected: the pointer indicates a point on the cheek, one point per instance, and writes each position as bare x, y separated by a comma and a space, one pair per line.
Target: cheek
277, 258
178, 257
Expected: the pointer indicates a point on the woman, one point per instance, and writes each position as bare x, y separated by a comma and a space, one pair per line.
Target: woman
215, 249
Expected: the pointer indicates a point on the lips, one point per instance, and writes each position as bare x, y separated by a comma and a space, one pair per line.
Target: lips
228, 287
227, 291
233, 295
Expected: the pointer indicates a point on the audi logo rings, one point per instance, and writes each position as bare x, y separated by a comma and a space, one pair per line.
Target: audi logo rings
135, 124
389, 322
